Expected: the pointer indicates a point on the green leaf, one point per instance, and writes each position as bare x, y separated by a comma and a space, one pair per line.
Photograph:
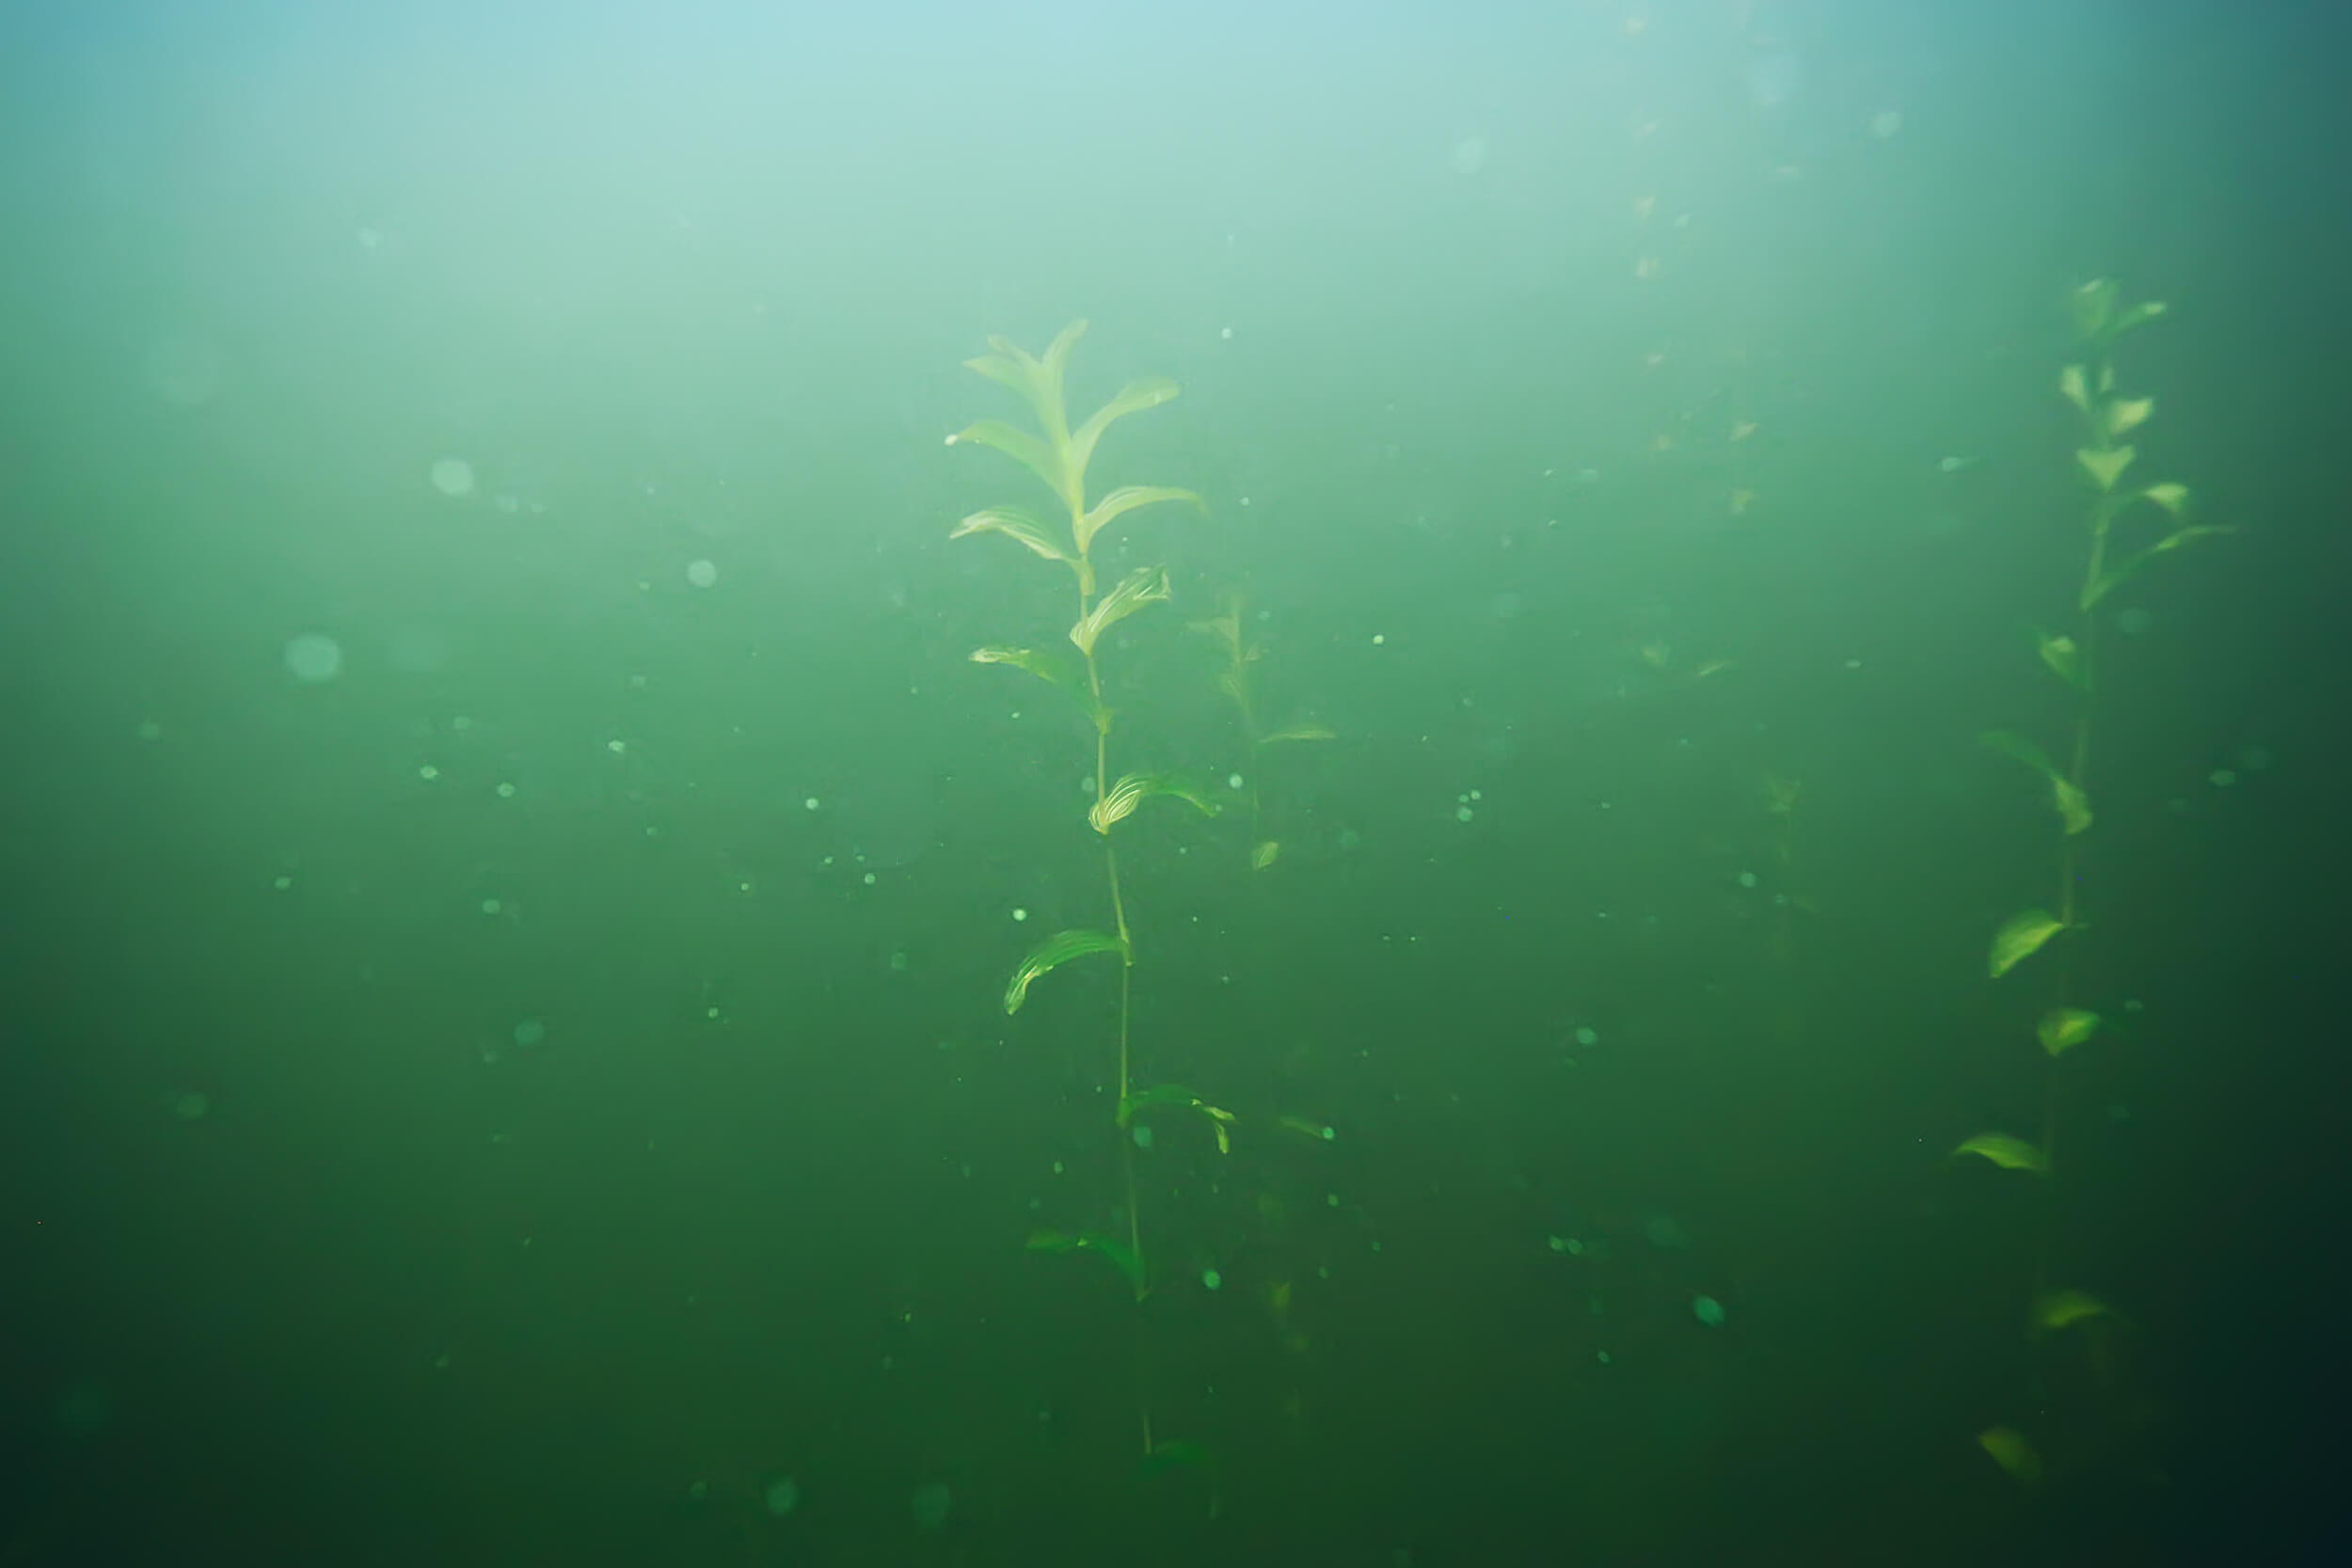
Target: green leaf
2172, 494
1125, 499
1050, 665
2124, 415
2009, 1449
1119, 1255
1132, 398
2105, 465
2122, 571
1146, 585
2009, 743
2146, 311
1132, 789
2071, 803
1306, 1127
1053, 953
2061, 1029
1177, 1094
1263, 853
2065, 658
1175, 1455
2020, 938
1021, 527
2056, 1309
1023, 446
2074, 806
2093, 307
2008, 1153
2073, 387
1303, 730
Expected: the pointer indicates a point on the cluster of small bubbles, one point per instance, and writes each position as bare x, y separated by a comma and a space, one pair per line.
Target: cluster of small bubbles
1569, 1245
1464, 805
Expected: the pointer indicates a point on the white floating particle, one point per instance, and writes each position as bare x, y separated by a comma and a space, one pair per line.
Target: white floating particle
616, 747
1885, 123
1226, 334
282, 883
507, 792
1747, 879
531, 1031
702, 573
811, 803
453, 476
313, 657
491, 906
428, 773
1379, 638
1588, 1035
1233, 781
1211, 1279
1020, 914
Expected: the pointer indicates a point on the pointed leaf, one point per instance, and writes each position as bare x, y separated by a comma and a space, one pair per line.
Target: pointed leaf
2073, 387
2020, 938
1048, 665
1023, 446
2126, 414
1146, 585
1302, 730
2170, 495
2074, 805
1177, 1094
1020, 526
1132, 398
2008, 1153
1125, 499
2092, 305
2009, 743
2128, 567
1132, 789
1263, 853
2064, 1028
2105, 465
1051, 954
2056, 1309
2065, 658
2012, 1453
2146, 311
1117, 1253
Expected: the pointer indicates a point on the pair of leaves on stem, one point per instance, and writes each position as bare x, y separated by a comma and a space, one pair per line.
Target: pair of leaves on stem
2072, 804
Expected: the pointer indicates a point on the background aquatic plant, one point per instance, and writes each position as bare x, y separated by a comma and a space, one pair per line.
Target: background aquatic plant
2127, 527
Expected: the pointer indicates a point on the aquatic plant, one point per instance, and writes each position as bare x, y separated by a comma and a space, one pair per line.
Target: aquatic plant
1059, 455
1235, 679
2128, 527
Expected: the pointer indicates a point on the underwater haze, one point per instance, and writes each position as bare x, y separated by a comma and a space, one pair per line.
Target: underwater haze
1422, 786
